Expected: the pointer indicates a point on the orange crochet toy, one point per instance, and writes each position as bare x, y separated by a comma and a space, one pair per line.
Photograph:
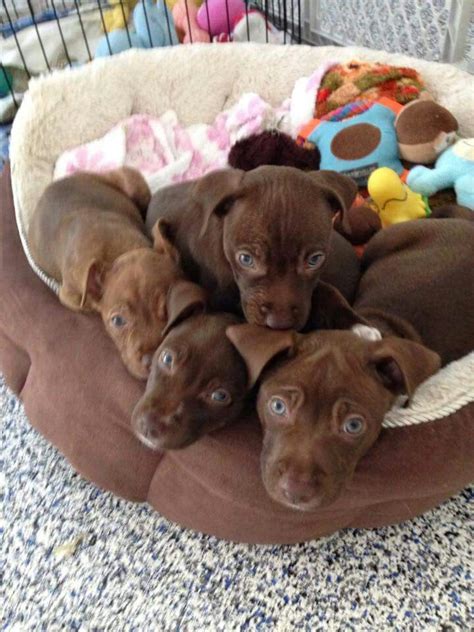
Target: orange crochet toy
355, 80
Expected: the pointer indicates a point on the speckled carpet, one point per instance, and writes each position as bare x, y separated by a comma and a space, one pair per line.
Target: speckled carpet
76, 558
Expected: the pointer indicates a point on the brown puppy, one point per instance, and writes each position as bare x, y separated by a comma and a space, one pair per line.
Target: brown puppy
263, 238
198, 383
322, 404
82, 224
322, 409
87, 232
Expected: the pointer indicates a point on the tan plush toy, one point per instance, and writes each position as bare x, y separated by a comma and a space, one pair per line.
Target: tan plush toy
424, 130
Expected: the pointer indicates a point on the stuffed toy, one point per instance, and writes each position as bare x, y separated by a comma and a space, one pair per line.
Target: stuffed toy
424, 130
184, 15
172, 3
346, 82
364, 219
118, 41
272, 148
252, 26
357, 145
218, 16
118, 15
454, 168
394, 201
152, 26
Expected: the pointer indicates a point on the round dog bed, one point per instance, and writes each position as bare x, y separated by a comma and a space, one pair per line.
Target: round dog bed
76, 391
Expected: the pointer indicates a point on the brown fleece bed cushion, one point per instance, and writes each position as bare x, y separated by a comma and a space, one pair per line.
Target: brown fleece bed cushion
78, 395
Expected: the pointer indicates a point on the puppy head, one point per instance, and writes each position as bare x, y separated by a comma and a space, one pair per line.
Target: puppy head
142, 294
322, 407
198, 383
276, 224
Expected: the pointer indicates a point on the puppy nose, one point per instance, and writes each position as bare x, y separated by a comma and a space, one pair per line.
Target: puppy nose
145, 427
148, 422
275, 321
168, 419
153, 426
146, 360
298, 490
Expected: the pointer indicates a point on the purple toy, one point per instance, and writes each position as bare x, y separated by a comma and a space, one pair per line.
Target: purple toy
218, 16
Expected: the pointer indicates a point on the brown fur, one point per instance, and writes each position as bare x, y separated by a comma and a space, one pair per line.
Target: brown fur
177, 407
280, 216
88, 234
419, 276
417, 287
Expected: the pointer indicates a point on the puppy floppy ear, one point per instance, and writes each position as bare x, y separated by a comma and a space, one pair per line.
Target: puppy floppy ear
216, 192
259, 345
163, 240
340, 192
184, 298
93, 283
330, 310
402, 365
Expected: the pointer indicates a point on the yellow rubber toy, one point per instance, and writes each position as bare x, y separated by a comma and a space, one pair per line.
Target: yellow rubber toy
393, 200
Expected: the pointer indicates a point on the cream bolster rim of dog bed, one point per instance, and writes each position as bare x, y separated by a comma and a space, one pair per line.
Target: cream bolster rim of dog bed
42, 131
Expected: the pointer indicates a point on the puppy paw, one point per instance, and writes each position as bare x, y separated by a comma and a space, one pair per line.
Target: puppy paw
366, 333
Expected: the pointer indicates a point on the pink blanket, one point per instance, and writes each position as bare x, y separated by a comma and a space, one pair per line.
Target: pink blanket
166, 152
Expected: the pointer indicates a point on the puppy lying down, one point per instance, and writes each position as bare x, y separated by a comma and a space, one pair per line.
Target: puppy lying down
198, 383
88, 234
260, 240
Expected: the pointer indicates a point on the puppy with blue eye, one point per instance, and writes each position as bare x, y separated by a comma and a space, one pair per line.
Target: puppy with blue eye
88, 234
197, 384
321, 402
260, 241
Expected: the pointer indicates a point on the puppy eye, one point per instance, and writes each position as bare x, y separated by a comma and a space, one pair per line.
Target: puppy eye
245, 260
166, 358
315, 260
220, 396
118, 321
278, 406
353, 425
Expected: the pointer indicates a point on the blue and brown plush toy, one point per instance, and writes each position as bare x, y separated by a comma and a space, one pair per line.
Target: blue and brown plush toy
152, 26
454, 168
357, 145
